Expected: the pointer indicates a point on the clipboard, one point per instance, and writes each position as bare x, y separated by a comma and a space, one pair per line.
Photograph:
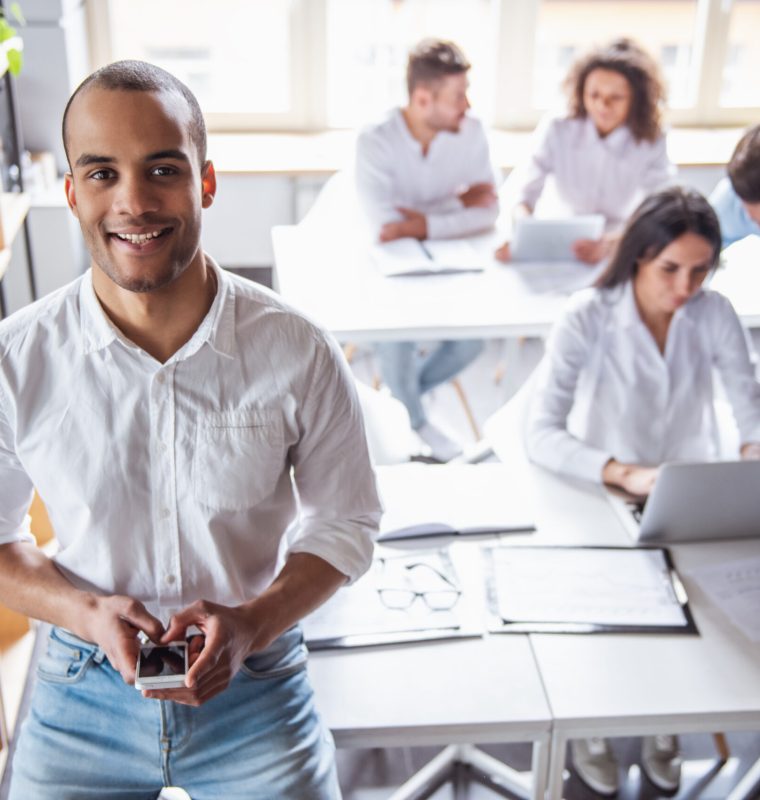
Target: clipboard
585, 590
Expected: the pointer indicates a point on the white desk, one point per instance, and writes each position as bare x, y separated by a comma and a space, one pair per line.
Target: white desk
332, 279
645, 684
606, 685
329, 275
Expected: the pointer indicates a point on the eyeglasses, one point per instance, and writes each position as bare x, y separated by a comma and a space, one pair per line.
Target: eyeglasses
440, 599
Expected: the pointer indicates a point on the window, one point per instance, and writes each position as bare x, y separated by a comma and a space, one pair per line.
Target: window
315, 64
368, 42
740, 86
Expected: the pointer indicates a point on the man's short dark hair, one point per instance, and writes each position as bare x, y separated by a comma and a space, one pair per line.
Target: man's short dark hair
139, 76
744, 167
431, 61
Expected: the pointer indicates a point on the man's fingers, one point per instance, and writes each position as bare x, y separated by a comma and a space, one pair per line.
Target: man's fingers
207, 658
135, 613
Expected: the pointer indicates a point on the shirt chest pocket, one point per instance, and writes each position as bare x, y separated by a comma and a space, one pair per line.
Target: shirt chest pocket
239, 457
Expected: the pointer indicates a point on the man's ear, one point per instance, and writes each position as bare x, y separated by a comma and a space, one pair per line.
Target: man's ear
71, 196
422, 96
208, 184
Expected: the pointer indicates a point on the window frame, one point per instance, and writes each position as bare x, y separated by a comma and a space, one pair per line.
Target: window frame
512, 104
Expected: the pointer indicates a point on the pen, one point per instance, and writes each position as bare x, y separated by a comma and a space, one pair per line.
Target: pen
427, 252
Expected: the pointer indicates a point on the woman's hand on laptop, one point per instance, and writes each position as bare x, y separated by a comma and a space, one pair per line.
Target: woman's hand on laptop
751, 451
632, 478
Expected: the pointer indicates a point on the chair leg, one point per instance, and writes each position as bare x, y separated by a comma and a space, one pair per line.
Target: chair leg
721, 745
466, 405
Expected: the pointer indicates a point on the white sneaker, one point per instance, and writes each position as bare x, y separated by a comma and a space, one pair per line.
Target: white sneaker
661, 761
442, 446
595, 765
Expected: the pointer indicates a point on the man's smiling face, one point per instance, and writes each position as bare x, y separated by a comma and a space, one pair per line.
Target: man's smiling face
136, 185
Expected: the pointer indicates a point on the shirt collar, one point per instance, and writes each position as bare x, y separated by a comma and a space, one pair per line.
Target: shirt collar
615, 141
217, 327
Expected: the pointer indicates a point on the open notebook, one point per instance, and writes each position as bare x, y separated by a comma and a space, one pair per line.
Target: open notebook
450, 499
413, 257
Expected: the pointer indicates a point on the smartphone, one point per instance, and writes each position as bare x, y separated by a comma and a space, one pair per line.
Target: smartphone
161, 666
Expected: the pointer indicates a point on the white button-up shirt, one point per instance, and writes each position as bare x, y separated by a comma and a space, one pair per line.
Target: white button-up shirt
188, 479
392, 171
593, 175
605, 391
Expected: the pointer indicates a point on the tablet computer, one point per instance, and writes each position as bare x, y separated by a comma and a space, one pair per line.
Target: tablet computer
537, 239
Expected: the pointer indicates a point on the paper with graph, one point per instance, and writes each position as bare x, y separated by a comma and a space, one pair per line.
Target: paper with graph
585, 589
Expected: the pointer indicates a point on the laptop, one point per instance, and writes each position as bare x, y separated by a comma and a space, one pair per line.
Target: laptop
537, 239
695, 502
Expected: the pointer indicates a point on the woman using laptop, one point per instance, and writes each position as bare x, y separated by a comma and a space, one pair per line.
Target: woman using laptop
608, 151
627, 383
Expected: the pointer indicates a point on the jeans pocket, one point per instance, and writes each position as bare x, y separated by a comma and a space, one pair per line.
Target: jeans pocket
64, 661
284, 657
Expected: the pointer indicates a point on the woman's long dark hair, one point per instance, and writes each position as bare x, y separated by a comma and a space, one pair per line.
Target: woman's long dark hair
658, 221
641, 71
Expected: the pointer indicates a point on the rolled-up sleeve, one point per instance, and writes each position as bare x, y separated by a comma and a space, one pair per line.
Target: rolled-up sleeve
374, 181
531, 177
339, 506
734, 362
548, 441
16, 489
456, 220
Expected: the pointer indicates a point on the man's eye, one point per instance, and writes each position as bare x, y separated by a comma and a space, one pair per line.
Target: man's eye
101, 175
162, 171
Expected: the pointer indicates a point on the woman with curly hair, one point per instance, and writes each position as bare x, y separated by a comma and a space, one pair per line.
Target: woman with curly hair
609, 150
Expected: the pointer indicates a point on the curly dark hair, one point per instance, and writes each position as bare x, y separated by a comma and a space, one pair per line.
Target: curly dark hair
641, 71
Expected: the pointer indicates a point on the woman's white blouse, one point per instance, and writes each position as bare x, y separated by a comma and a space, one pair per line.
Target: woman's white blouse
604, 390
594, 175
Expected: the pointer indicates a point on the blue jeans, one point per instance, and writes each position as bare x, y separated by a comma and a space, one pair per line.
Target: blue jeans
409, 374
91, 736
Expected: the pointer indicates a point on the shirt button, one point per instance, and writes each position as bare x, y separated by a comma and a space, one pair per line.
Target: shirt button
160, 377
170, 579
164, 513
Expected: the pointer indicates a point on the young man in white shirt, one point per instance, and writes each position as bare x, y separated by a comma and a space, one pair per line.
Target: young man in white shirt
178, 422
425, 172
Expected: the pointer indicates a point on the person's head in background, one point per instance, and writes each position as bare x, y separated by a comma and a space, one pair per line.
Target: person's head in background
619, 84
436, 79
744, 172
669, 246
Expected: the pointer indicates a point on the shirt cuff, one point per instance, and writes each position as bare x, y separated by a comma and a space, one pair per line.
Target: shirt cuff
586, 463
347, 546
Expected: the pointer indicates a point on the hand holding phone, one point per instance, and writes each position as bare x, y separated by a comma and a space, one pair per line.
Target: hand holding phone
161, 666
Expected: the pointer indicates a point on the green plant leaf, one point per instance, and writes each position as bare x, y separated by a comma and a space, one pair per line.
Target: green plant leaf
6, 31
15, 61
17, 13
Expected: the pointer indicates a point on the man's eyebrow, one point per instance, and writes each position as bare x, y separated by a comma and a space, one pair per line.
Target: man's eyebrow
176, 155
87, 159
90, 158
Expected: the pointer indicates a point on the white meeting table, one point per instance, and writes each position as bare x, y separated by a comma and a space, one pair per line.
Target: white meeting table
616, 685
502, 687
331, 277
460, 692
